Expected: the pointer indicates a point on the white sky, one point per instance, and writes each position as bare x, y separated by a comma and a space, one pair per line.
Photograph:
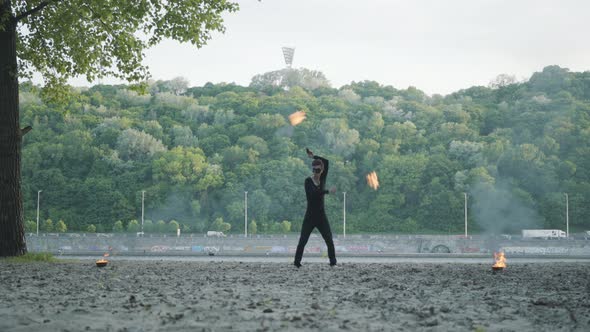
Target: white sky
438, 46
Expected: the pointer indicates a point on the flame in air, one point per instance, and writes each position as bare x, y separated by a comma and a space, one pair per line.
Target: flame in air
297, 117
372, 180
500, 260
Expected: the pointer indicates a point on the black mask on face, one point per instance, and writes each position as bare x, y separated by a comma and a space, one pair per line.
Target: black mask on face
317, 170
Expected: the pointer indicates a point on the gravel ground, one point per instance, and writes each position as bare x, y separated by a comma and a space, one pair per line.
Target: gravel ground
224, 296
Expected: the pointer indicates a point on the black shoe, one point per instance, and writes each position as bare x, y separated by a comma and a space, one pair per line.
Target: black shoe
333, 265
298, 265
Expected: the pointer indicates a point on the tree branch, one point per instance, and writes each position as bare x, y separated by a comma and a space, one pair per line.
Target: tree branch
34, 10
25, 130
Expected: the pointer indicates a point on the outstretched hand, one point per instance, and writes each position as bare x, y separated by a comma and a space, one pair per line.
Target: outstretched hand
309, 153
332, 190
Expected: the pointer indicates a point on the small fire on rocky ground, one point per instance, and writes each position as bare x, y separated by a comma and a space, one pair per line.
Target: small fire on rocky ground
499, 262
102, 262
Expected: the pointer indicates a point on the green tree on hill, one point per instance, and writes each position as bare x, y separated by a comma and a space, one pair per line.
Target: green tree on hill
47, 226
161, 226
133, 226
252, 228
173, 226
61, 227
118, 226
148, 226
30, 226
285, 226
220, 226
91, 229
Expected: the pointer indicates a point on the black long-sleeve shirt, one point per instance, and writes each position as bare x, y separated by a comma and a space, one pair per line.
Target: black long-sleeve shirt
315, 194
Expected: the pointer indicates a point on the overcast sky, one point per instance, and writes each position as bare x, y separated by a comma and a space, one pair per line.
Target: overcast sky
437, 46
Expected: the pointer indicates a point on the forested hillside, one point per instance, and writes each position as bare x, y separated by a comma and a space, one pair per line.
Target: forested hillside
514, 148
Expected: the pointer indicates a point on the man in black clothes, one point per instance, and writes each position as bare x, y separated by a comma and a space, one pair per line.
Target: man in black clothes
315, 215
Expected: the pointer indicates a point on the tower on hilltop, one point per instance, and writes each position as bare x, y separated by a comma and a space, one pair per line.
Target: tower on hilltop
288, 53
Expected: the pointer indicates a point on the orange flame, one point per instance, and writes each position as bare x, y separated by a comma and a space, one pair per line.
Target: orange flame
103, 259
297, 117
500, 260
372, 180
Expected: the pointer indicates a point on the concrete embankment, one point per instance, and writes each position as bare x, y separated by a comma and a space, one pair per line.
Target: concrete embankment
284, 245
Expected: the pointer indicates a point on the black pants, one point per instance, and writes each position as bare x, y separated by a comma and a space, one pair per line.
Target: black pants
324, 227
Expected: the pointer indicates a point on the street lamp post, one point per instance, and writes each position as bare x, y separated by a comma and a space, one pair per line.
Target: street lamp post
142, 206
344, 214
38, 196
567, 217
245, 214
465, 195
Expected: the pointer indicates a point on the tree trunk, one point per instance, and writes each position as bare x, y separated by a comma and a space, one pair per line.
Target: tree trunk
12, 235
